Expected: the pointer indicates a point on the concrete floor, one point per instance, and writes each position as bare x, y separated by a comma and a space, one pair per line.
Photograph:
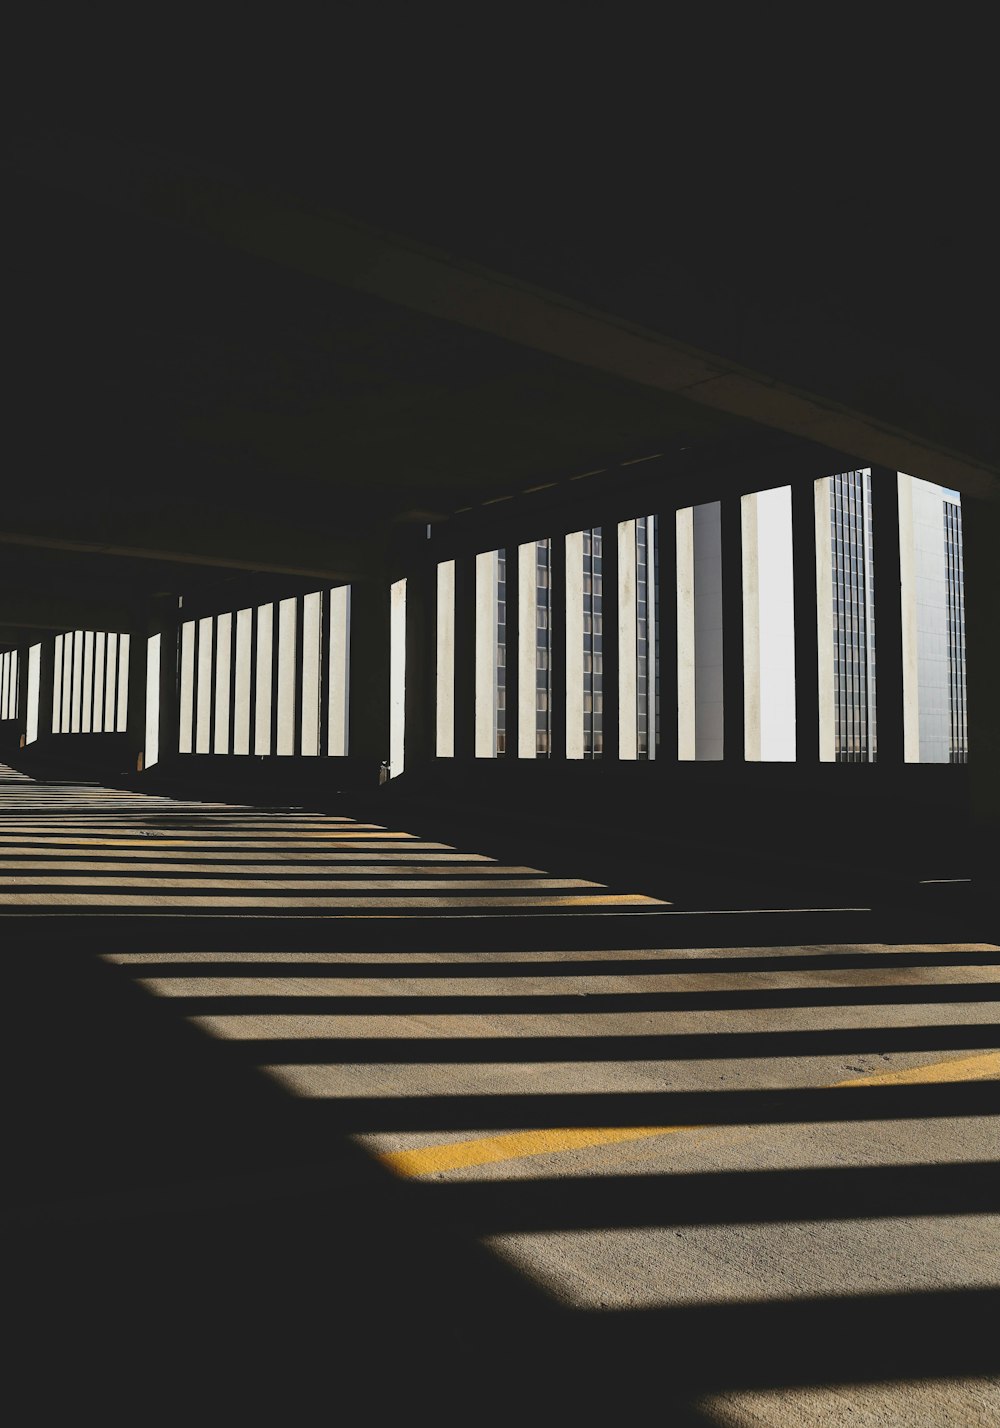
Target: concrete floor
310, 1115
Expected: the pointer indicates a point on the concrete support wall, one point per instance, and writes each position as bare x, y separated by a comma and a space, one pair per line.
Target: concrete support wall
700, 631
512, 660
924, 621
397, 678
339, 692
486, 654
368, 732
768, 626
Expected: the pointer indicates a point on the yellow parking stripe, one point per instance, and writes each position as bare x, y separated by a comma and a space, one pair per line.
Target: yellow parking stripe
458, 1154
958, 1068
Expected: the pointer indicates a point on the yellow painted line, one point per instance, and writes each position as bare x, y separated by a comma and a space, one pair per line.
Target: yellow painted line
958, 1068
458, 1154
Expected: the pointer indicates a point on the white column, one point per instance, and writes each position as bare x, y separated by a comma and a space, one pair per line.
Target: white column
124, 647
34, 681
241, 693
397, 677
88, 681
77, 681
574, 645
110, 684
444, 735
185, 716
151, 744
203, 731
628, 733
687, 747
486, 655
57, 674
340, 666
224, 628
262, 693
312, 610
100, 662
286, 677
924, 609
527, 648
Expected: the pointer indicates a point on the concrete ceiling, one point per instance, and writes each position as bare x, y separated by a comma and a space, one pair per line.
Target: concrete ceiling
233, 356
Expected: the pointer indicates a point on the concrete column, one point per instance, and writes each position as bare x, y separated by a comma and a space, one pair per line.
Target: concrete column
557, 646
807, 557
610, 604
888, 615
571, 606
465, 656
444, 660
731, 540
512, 663
368, 701
486, 654
421, 621
980, 543
664, 557
153, 685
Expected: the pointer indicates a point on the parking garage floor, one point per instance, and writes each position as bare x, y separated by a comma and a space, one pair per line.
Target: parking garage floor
310, 1113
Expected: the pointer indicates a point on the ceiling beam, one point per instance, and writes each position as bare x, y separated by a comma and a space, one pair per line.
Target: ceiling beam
342, 251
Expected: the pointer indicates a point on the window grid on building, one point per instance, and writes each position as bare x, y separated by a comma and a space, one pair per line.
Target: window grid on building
543, 647
593, 645
852, 563
958, 750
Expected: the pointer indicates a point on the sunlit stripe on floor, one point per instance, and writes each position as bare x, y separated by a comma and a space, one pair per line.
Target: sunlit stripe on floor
283, 881
958, 1068
139, 834
235, 903
460, 1154
488, 1150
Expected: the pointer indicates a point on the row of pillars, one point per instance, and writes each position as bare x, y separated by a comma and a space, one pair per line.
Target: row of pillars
369, 706
421, 598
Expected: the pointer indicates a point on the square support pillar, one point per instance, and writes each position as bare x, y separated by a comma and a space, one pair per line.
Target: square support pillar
512, 660
421, 622
153, 685
368, 698
805, 556
465, 656
980, 546
611, 636
663, 597
888, 615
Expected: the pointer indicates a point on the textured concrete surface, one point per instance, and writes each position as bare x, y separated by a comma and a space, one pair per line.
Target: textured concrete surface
517, 1141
